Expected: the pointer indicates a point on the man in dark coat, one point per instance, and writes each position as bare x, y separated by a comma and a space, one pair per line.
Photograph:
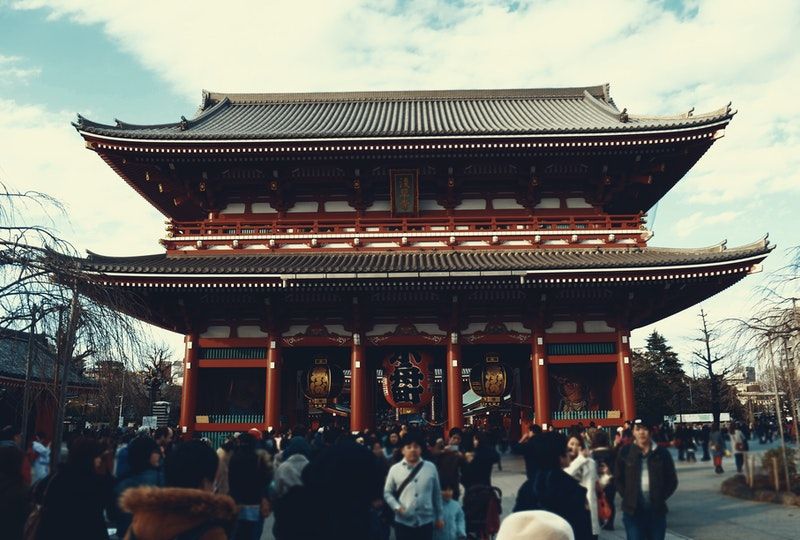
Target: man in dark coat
74, 498
344, 480
550, 488
646, 478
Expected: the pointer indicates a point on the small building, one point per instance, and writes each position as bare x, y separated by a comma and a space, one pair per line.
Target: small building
326, 253
14, 348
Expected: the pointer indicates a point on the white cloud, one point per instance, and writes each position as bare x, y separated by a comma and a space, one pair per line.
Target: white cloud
11, 70
657, 62
688, 225
42, 152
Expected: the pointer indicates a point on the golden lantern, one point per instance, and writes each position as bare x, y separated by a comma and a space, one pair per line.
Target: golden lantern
489, 380
322, 382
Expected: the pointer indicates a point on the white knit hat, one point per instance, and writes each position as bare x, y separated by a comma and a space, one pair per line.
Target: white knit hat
536, 524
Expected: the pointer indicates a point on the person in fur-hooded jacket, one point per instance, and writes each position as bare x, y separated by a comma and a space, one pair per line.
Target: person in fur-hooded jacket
185, 509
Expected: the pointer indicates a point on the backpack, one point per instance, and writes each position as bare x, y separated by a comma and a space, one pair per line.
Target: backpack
482, 510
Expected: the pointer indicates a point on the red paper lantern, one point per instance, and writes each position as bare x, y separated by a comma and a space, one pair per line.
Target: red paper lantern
408, 380
489, 380
322, 382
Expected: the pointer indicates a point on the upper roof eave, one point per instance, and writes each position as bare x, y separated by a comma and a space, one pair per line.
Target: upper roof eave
575, 112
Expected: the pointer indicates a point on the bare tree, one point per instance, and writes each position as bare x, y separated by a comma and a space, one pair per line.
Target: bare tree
708, 358
40, 272
155, 371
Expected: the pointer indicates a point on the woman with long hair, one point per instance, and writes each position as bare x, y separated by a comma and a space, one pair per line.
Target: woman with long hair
584, 469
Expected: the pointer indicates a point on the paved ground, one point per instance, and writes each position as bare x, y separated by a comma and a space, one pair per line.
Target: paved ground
697, 510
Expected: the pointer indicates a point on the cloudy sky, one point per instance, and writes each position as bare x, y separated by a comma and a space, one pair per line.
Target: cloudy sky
144, 61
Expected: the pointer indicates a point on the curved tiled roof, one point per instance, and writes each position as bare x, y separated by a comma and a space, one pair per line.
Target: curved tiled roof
14, 354
404, 114
433, 261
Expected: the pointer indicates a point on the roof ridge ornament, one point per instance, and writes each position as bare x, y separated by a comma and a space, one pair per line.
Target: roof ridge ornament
184, 125
623, 116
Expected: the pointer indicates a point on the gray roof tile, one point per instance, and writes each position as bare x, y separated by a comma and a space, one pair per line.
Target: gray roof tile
14, 354
432, 261
404, 114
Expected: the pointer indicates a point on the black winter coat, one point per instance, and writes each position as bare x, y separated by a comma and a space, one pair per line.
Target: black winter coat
557, 492
628, 476
74, 502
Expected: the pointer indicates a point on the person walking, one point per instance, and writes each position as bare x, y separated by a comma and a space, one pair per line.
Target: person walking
477, 468
345, 479
646, 478
604, 457
717, 445
739, 445
249, 475
74, 498
41, 460
186, 507
144, 459
455, 527
549, 488
413, 492
288, 494
584, 469
705, 435
15, 503
449, 463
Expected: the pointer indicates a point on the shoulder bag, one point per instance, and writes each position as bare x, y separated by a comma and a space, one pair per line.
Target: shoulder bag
408, 480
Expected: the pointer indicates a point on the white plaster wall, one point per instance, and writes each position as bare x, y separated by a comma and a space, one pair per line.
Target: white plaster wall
338, 206
549, 202
296, 329
506, 204
233, 208
472, 204
379, 206
563, 327
577, 202
250, 331
429, 328
381, 329
596, 327
429, 204
263, 208
217, 332
303, 207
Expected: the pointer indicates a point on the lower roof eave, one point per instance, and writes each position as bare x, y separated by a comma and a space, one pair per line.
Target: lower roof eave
664, 273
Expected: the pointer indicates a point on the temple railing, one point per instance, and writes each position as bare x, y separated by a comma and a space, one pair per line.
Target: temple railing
584, 415
428, 232
235, 418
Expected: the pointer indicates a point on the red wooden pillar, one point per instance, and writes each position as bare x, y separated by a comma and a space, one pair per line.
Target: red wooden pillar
190, 381
455, 399
359, 406
625, 375
272, 403
541, 380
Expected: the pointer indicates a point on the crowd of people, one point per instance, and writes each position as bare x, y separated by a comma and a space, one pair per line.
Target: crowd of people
328, 483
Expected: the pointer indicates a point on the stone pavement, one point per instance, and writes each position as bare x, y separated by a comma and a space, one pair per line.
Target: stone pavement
697, 510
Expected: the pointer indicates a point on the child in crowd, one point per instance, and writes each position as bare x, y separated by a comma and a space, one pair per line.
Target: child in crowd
454, 524
691, 447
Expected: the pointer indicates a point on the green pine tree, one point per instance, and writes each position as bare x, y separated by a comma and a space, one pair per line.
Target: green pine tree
660, 383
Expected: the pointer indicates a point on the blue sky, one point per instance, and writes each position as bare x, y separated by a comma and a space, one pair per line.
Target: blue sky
144, 61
